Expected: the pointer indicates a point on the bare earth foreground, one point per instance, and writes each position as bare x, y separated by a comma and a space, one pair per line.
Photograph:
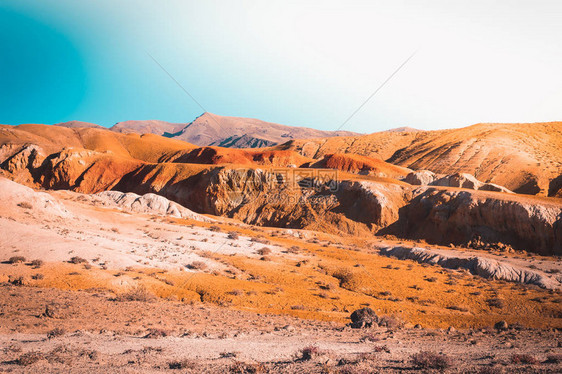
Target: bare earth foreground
125, 337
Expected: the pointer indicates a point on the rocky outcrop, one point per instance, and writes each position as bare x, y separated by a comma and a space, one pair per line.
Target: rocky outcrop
484, 267
444, 216
147, 204
21, 161
460, 180
420, 177
270, 198
464, 180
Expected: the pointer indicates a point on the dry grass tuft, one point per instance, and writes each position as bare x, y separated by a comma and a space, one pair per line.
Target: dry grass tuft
78, 260
16, 259
29, 358
430, 360
197, 265
137, 293
527, 359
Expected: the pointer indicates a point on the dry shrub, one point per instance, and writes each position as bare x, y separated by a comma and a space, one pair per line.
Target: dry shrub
523, 358
554, 359
348, 279
264, 251
214, 228
182, 364
457, 307
247, 368
260, 239
55, 311
294, 249
323, 295
25, 205
430, 360
29, 358
308, 353
495, 302
197, 265
156, 333
391, 322
36, 263
16, 259
37, 276
78, 260
137, 293
491, 370
16, 281
55, 333
233, 235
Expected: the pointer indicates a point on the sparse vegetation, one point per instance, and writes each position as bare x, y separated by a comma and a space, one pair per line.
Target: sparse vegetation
36, 263
55, 333
137, 293
233, 235
78, 260
197, 265
156, 333
309, 352
17, 281
495, 302
430, 360
25, 205
16, 259
182, 364
521, 358
263, 251
29, 358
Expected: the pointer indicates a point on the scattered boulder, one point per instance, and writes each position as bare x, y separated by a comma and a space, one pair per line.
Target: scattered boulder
363, 318
501, 326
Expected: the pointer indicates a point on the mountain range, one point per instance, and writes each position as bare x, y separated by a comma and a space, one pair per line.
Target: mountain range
216, 130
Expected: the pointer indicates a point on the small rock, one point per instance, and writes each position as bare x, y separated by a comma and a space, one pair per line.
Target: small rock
451, 329
418, 326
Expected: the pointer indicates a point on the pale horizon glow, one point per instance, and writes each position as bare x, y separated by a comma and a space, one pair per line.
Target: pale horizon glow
305, 63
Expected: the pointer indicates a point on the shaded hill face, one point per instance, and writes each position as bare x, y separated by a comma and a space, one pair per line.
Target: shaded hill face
522, 157
79, 124
361, 165
147, 127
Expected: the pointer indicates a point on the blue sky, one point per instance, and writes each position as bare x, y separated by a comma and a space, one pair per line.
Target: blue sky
308, 63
